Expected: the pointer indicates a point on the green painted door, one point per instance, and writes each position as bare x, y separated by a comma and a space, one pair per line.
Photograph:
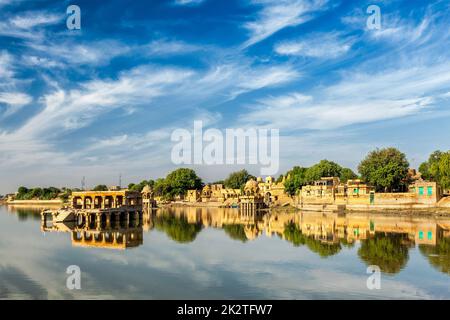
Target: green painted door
430, 191
372, 198
421, 191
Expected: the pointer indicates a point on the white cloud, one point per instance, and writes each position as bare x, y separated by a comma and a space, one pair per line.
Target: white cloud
397, 29
77, 108
188, 2
34, 19
277, 15
6, 60
166, 47
28, 25
358, 98
14, 101
235, 79
317, 45
67, 52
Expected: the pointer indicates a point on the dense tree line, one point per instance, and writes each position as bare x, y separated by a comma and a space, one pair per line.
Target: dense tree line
50, 193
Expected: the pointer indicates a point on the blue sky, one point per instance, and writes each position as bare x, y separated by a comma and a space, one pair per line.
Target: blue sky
105, 99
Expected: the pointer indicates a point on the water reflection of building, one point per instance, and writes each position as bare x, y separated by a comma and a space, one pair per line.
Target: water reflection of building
328, 227
116, 234
384, 239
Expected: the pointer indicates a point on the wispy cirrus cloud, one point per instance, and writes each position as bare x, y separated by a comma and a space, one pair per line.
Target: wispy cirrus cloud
14, 101
188, 2
277, 15
317, 45
358, 98
169, 47
69, 52
34, 19
6, 61
28, 25
74, 109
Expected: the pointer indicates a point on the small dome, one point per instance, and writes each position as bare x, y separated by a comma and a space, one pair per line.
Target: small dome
207, 188
251, 185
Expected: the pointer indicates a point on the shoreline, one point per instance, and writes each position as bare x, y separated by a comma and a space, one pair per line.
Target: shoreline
33, 202
330, 209
431, 211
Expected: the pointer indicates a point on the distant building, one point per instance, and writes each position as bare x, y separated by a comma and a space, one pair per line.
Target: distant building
271, 192
330, 191
427, 192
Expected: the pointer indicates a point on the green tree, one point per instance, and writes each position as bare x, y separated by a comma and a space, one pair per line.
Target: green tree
296, 178
347, 174
141, 185
36, 193
50, 193
182, 180
161, 188
22, 190
444, 171
385, 169
437, 168
237, 180
100, 187
324, 168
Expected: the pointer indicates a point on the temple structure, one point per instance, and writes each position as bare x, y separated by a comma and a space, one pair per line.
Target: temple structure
98, 209
259, 194
110, 199
252, 199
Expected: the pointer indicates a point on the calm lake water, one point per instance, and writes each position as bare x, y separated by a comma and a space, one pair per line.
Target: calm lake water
199, 253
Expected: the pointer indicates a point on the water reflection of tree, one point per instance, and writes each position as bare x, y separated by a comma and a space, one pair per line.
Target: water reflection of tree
25, 214
235, 231
439, 255
346, 243
293, 234
177, 228
386, 250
